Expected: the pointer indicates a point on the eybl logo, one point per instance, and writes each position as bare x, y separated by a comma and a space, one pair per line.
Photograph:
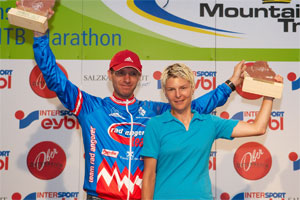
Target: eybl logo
206, 80
212, 164
4, 158
52, 119
293, 156
295, 82
156, 76
203, 79
5, 78
276, 121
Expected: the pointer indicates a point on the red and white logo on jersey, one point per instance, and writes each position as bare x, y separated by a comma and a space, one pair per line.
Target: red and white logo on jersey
110, 153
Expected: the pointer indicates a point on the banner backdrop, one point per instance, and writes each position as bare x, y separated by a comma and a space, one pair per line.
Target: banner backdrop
41, 152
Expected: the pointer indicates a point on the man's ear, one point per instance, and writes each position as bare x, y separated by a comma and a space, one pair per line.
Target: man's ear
109, 73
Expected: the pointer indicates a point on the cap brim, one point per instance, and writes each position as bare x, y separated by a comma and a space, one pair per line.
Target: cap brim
124, 65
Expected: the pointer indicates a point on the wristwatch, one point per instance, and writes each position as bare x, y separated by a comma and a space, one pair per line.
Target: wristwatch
231, 85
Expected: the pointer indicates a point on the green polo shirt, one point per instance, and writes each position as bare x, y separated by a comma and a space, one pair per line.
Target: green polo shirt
183, 156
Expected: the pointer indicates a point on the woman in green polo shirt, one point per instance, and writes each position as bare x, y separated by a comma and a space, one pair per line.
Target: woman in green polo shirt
177, 144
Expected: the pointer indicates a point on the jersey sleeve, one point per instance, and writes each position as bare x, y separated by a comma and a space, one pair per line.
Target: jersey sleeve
151, 140
207, 103
157, 107
67, 92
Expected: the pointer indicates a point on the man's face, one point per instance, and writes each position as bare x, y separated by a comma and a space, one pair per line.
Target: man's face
124, 81
179, 93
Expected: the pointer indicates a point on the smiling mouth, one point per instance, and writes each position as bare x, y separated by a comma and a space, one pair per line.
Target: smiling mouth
126, 86
179, 101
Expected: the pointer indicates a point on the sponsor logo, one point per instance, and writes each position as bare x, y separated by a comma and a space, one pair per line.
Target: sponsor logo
284, 15
16, 196
205, 80
47, 195
4, 160
225, 196
38, 83
142, 111
293, 156
276, 121
129, 154
156, 76
252, 161
115, 113
95, 77
128, 59
50, 119
5, 78
46, 160
104, 77
92, 154
254, 195
110, 153
212, 164
120, 132
144, 81
295, 82
111, 177
152, 11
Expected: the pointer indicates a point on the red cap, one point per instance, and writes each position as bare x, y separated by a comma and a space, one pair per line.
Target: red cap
125, 58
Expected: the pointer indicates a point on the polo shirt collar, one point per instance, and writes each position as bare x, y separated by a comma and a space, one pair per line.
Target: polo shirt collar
167, 116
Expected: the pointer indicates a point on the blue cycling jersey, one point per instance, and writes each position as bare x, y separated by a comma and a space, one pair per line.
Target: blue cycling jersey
112, 128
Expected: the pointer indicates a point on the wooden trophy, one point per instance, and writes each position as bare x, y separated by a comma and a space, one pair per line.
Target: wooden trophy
259, 79
31, 14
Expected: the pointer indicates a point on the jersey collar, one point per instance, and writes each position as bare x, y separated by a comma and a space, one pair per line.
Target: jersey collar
121, 101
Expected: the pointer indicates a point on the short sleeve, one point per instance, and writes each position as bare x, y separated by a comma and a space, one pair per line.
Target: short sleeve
224, 127
151, 140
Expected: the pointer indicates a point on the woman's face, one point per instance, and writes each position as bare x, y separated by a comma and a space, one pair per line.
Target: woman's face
179, 93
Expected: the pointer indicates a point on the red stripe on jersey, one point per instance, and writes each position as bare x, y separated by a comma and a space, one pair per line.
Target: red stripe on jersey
78, 103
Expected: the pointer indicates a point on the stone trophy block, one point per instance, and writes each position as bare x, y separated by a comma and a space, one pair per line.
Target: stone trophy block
259, 79
31, 14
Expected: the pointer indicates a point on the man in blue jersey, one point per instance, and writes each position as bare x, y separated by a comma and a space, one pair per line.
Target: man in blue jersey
113, 127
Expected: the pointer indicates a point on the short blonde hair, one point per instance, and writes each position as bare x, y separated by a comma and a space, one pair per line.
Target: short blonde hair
177, 70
